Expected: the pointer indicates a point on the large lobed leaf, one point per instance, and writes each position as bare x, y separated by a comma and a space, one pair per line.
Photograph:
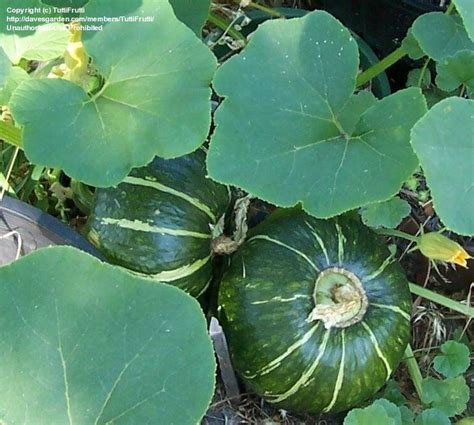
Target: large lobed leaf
87, 343
155, 100
193, 13
290, 129
5, 68
20, 4
446, 151
42, 45
16, 76
66, 3
466, 10
456, 70
449, 38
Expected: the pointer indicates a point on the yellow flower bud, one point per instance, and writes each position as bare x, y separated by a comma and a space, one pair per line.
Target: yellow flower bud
75, 57
435, 246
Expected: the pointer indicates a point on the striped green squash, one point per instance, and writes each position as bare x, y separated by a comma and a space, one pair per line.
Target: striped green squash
316, 314
158, 221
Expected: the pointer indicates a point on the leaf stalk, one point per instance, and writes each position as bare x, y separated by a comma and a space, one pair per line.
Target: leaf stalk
442, 300
225, 26
265, 9
10, 134
398, 234
380, 67
414, 371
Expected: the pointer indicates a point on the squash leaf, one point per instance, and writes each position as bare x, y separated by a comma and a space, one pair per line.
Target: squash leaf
449, 395
305, 137
193, 13
380, 412
434, 95
99, 346
465, 9
407, 415
387, 214
455, 70
17, 76
393, 393
41, 44
5, 68
411, 47
445, 150
419, 78
65, 3
454, 360
432, 417
155, 101
5, 33
449, 38
48, 42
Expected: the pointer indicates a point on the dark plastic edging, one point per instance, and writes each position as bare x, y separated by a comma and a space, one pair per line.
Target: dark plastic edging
47, 224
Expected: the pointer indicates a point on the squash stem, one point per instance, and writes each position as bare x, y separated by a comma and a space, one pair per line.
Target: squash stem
442, 300
423, 71
450, 8
265, 9
398, 234
83, 196
380, 67
225, 26
414, 371
225, 245
10, 134
339, 298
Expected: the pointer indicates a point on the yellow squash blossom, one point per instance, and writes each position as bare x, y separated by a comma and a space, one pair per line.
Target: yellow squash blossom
76, 60
435, 246
75, 57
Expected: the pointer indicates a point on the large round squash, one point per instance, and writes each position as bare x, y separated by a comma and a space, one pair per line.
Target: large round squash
159, 220
316, 313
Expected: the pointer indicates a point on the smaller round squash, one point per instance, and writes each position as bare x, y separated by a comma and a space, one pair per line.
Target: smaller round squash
316, 313
158, 222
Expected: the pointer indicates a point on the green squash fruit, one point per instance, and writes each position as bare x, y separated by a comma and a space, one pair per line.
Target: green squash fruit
316, 314
158, 222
